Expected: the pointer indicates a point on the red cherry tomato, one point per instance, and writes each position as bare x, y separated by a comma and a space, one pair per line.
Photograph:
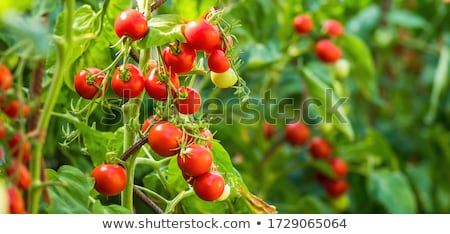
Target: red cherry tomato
302, 24
201, 35
3, 131
205, 138
209, 186
20, 147
180, 61
336, 188
269, 130
156, 87
195, 160
127, 82
218, 61
131, 23
189, 101
333, 28
327, 51
296, 133
110, 179
6, 79
19, 174
164, 138
86, 82
339, 167
16, 202
320, 148
15, 110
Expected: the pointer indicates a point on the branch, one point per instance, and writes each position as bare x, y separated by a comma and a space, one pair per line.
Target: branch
133, 148
157, 4
141, 195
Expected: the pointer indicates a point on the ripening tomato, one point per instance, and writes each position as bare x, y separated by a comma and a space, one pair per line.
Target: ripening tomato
225, 79
179, 60
110, 179
296, 133
195, 160
209, 186
327, 52
15, 110
268, 130
339, 167
189, 100
16, 202
320, 148
127, 82
3, 130
303, 24
20, 147
149, 121
6, 79
218, 61
131, 23
19, 174
201, 35
87, 81
156, 87
333, 28
164, 138
336, 188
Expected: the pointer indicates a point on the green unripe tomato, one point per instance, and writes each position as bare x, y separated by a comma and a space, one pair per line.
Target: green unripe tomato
341, 69
224, 79
384, 37
341, 203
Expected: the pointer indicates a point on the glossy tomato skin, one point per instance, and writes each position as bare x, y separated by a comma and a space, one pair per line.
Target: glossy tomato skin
110, 179
296, 133
319, 148
19, 174
164, 139
333, 28
131, 23
209, 186
201, 35
195, 160
339, 167
303, 24
336, 188
327, 52
6, 79
181, 61
16, 202
190, 103
225, 79
156, 88
218, 61
86, 89
127, 82
20, 147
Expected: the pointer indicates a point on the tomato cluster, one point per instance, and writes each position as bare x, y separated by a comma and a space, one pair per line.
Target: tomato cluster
298, 134
17, 151
173, 130
325, 49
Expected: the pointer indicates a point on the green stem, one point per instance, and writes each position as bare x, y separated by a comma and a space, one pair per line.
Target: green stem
49, 104
174, 202
130, 114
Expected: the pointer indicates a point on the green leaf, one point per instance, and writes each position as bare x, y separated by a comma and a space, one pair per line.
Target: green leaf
98, 208
260, 55
328, 104
364, 22
441, 78
163, 29
421, 178
392, 190
72, 196
363, 67
406, 19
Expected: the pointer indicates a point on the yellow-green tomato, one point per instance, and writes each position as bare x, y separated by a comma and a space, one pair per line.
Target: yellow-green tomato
224, 79
340, 203
341, 68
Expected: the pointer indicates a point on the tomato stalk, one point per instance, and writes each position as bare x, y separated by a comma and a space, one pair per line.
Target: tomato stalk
61, 53
131, 114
